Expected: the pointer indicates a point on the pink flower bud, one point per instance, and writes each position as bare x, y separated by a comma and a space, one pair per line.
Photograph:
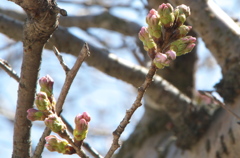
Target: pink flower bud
181, 13
35, 115
191, 39
153, 21
152, 18
183, 9
84, 116
143, 34
171, 54
146, 38
161, 60
81, 126
160, 57
46, 84
166, 14
189, 47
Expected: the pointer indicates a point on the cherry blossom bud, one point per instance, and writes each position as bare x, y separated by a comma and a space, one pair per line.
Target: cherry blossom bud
181, 13
152, 18
182, 31
55, 123
183, 45
147, 40
171, 54
61, 146
35, 115
183, 9
84, 116
81, 126
189, 47
143, 34
166, 15
46, 84
160, 60
42, 102
153, 22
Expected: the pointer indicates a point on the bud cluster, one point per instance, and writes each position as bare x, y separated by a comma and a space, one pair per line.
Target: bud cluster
165, 37
44, 101
45, 111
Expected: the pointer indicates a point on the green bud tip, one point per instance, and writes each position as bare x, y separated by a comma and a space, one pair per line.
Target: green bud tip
55, 123
166, 14
58, 145
42, 102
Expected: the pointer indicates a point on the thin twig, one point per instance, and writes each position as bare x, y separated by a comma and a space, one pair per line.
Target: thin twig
91, 150
40, 146
70, 76
60, 58
137, 103
6, 67
223, 105
68, 81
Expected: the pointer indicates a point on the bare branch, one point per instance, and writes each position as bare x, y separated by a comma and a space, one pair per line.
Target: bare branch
224, 106
39, 148
60, 58
104, 20
6, 67
137, 103
70, 76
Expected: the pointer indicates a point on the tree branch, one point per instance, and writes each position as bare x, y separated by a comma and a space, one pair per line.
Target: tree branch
41, 22
126, 120
103, 20
5, 66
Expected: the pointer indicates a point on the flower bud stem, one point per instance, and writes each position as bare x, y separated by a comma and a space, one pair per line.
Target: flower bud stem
78, 149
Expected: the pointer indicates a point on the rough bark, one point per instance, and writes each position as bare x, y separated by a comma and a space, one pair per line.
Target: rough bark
40, 24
